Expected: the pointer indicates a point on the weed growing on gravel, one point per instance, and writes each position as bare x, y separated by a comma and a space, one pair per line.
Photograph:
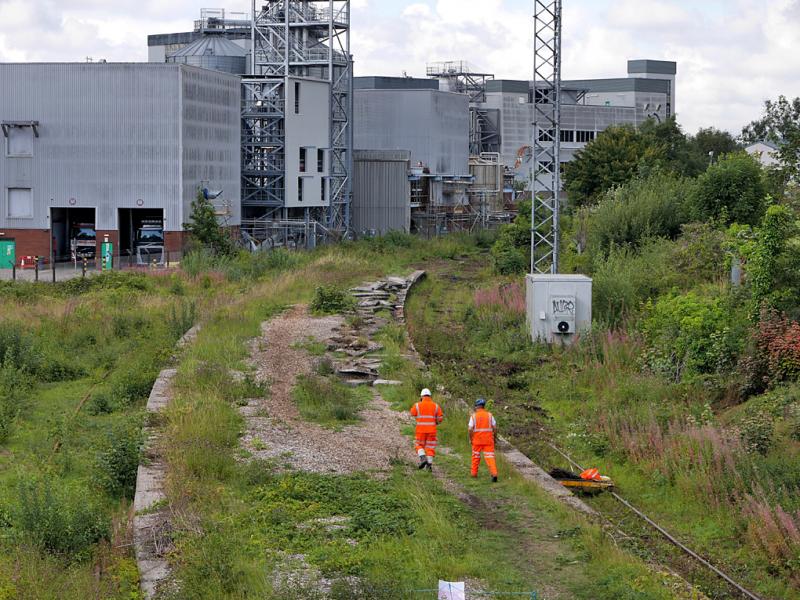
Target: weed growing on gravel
327, 401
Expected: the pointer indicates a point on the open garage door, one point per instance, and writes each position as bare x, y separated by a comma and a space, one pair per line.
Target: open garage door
141, 236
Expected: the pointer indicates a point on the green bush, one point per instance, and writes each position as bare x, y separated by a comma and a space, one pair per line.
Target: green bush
132, 383
117, 459
693, 334
17, 348
625, 279
100, 403
757, 431
58, 518
512, 251
331, 300
732, 191
645, 208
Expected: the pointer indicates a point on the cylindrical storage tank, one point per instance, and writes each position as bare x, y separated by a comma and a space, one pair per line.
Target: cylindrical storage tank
212, 52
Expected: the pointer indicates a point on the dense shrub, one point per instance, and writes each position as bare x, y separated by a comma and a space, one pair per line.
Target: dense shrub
650, 207
700, 253
625, 279
132, 383
14, 384
58, 518
732, 191
774, 354
511, 252
117, 458
16, 347
330, 300
691, 334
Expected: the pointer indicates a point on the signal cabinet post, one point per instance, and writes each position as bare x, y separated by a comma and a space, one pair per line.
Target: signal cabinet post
558, 307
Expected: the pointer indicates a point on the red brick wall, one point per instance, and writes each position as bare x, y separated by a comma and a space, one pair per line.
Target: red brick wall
30, 242
173, 241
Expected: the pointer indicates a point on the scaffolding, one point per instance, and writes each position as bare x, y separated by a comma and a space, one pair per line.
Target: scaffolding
460, 77
292, 38
546, 146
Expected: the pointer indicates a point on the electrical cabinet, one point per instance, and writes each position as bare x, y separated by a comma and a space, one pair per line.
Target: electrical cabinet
558, 307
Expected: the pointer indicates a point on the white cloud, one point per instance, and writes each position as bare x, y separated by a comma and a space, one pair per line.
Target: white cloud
731, 54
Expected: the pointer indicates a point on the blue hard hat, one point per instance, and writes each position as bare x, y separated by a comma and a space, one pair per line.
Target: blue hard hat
480, 402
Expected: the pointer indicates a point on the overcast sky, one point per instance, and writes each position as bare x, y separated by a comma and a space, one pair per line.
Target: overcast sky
731, 54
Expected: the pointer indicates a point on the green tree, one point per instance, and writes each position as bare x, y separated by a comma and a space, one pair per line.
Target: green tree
612, 159
780, 124
732, 190
774, 261
204, 226
710, 139
674, 148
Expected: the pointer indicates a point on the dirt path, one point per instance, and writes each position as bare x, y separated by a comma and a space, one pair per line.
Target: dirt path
275, 429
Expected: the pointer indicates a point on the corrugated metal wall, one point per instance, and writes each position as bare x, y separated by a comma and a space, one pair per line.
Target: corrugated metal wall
433, 125
381, 191
211, 138
110, 137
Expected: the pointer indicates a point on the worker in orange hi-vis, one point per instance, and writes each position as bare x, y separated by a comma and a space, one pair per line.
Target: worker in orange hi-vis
428, 415
482, 429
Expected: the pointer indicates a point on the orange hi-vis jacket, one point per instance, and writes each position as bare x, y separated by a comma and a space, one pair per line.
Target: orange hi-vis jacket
482, 425
428, 415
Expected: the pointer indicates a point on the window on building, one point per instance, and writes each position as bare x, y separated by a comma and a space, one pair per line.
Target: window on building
300, 181
303, 153
567, 135
322, 190
584, 136
20, 203
320, 160
19, 141
297, 97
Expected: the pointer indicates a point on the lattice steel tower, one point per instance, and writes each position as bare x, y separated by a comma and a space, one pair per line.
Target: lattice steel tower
546, 143
293, 38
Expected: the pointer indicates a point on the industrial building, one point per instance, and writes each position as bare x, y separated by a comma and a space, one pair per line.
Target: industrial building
96, 151
296, 112
504, 112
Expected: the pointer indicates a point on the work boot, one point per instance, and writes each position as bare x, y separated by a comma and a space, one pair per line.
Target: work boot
430, 467
494, 478
423, 462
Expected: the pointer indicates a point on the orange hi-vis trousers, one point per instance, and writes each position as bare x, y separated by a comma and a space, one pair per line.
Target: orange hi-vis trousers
488, 456
425, 442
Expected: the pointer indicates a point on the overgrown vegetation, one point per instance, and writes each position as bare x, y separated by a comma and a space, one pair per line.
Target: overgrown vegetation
325, 400
686, 389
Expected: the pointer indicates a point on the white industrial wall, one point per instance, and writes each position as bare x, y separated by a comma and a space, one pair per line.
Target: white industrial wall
114, 135
309, 128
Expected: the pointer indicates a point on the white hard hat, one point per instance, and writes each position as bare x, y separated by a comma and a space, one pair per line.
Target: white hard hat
425, 392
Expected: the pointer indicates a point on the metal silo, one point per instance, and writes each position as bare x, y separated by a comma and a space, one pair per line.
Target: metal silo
212, 52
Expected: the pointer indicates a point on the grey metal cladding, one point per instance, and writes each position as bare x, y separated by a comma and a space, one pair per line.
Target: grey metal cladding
120, 135
381, 191
510, 86
394, 83
622, 84
169, 39
433, 125
658, 67
211, 136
